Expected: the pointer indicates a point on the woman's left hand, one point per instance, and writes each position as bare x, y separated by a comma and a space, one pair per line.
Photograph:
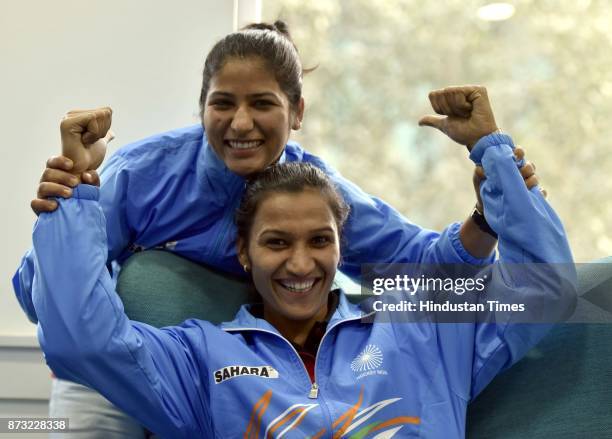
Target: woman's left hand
465, 113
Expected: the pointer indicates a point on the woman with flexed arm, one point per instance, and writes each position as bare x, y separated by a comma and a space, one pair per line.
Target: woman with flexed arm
250, 101
177, 190
292, 365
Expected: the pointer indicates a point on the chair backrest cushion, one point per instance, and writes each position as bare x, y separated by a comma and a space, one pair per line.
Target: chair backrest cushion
563, 386
163, 289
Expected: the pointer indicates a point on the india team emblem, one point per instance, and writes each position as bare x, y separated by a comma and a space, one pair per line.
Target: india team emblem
369, 359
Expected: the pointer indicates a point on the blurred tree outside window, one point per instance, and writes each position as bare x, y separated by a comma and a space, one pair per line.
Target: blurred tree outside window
548, 70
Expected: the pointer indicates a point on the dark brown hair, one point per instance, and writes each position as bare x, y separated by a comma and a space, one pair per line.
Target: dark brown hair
270, 42
292, 178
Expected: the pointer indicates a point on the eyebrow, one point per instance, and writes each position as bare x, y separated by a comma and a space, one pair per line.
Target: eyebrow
284, 233
221, 94
323, 229
252, 96
264, 95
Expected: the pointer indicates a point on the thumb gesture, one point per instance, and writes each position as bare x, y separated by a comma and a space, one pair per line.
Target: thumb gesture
85, 134
465, 114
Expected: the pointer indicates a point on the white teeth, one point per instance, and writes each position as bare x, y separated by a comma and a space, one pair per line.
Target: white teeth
298, 286
244, 145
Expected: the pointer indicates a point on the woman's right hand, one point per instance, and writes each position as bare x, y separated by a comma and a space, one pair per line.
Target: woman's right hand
85, 134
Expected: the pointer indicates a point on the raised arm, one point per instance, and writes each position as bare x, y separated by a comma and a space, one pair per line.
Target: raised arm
376, 233
62, 174
151, 374
535, 264
465, 115
535, 268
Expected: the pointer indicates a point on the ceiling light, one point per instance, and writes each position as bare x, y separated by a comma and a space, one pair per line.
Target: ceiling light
496, 11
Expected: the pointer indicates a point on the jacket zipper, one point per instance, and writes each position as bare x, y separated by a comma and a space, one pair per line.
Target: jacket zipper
314, 388
313, 392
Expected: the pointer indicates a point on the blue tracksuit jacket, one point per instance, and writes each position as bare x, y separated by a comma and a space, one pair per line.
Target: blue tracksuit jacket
171, 190
244, 379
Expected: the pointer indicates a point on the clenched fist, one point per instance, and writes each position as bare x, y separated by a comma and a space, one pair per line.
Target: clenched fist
465, 113
85, 134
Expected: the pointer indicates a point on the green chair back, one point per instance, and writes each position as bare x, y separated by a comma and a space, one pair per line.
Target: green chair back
163, 289
563, 386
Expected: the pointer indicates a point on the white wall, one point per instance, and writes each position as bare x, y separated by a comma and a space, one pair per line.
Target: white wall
143, 58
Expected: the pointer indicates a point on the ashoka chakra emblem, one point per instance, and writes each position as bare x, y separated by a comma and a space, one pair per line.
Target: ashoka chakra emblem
370, 358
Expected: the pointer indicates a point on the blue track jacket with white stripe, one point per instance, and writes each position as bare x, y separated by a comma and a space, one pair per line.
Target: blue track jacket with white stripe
172, 191
243, 379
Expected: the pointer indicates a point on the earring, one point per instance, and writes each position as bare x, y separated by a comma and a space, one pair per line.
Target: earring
245, 267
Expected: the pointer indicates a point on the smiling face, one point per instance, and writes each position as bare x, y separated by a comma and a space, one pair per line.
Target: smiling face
247, 117
293, 252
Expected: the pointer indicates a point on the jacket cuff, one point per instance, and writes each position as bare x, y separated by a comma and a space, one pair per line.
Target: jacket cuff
453, 234
488, 141
86, 192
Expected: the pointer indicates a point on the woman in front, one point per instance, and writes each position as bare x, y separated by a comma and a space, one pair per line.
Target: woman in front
289, 367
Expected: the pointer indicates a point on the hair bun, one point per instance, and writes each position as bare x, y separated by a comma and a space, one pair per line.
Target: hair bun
278, 26
282, 28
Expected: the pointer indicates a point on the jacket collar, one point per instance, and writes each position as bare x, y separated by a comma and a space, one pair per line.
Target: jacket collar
217, 175
218, 178
221, 179
292, 152
244, 320
215, 166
